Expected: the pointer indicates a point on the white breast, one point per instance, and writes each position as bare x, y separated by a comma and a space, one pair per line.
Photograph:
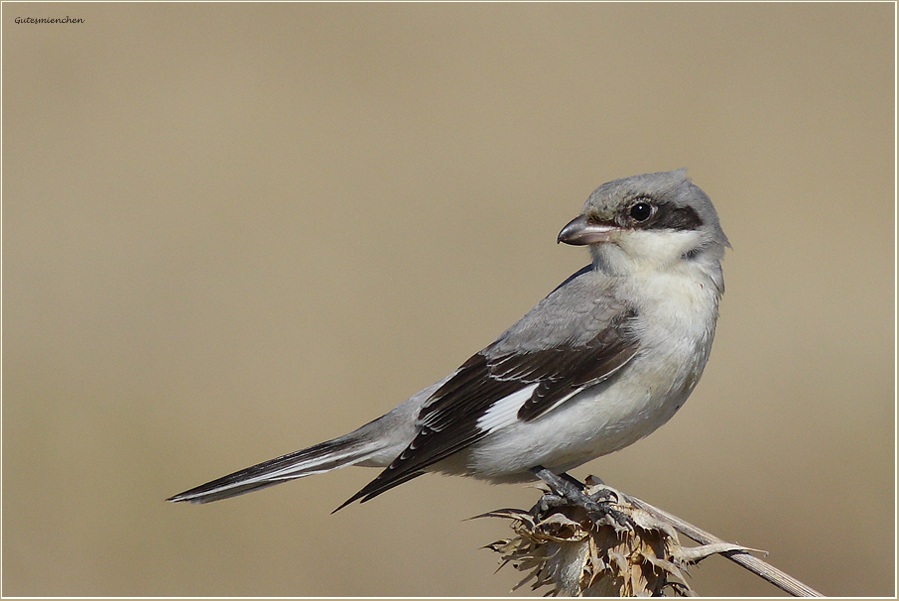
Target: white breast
676, 323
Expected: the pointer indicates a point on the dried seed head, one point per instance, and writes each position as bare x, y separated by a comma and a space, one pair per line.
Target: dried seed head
559, 544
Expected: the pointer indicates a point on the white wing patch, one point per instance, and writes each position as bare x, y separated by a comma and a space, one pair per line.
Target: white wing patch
505, 411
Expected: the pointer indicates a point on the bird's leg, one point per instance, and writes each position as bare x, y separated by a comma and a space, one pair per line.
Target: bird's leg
570, 489
548, 502
572, 479
602, 494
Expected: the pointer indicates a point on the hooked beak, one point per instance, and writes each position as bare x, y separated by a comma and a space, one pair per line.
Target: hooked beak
581, 231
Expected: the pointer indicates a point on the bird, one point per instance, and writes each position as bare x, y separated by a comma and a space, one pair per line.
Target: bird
602, 361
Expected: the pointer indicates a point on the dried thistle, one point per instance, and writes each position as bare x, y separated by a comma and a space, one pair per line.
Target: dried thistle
560, 544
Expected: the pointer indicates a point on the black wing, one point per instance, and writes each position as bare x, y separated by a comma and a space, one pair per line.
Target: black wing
449, 419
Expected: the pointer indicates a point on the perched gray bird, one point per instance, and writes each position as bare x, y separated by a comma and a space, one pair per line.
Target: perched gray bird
609, 356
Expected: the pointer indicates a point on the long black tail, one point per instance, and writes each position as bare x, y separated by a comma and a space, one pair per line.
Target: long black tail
323, 457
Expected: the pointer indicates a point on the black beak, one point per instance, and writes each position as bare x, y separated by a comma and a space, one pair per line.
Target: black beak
581, 231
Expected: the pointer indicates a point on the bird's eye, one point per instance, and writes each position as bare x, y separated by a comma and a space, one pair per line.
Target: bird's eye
641, 211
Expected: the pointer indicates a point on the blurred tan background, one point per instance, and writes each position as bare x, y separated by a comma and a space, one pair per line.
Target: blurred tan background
233, 230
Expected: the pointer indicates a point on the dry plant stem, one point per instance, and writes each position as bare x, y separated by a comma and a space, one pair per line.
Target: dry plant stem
764, 570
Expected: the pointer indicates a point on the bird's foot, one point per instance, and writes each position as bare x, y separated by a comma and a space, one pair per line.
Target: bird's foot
567, 490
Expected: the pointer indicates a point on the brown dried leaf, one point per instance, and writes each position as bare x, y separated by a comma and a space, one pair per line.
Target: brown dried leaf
561, 547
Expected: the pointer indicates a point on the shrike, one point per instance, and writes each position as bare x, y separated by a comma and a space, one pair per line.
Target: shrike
609, 356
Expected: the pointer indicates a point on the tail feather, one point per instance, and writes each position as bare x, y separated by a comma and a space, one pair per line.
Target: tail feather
323, 457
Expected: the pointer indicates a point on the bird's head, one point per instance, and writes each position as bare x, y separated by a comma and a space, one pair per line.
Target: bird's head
648, 222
